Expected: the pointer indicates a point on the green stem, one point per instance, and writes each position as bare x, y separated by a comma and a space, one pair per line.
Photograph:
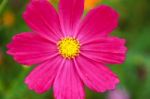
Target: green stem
2, 5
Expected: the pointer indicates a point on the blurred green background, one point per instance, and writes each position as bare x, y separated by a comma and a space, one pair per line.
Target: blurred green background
134, 73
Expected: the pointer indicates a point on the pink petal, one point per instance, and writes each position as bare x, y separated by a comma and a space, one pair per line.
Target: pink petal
95, 75
42, 77
98, 22
70, 12
29, 48
42, 18
67, 84
107, 50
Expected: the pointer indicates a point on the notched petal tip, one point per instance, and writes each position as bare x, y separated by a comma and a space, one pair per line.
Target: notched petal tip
116, 82
110, 87
110, 9
8, 46
34, 90
33, 87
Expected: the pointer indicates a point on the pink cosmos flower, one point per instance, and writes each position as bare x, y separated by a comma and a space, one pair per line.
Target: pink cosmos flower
69, 51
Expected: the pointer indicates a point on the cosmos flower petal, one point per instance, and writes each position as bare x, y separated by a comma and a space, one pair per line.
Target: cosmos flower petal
70, 12
98, 22
95, 75
43, 19
107, 50
67, 84
29, 48
42, 77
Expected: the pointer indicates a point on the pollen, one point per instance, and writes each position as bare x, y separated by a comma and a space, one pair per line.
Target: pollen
69, 47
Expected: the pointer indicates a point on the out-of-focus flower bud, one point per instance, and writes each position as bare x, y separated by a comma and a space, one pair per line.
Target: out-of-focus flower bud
89, 4
8, 18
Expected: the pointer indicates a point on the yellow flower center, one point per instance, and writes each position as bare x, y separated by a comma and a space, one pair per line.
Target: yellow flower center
69, 47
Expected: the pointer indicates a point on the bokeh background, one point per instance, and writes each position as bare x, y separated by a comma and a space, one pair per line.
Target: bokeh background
134, 73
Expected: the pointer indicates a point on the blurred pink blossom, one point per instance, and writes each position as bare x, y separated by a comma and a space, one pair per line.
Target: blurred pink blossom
118, 94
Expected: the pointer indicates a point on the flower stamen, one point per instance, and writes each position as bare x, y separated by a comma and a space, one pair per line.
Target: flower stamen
69, 47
